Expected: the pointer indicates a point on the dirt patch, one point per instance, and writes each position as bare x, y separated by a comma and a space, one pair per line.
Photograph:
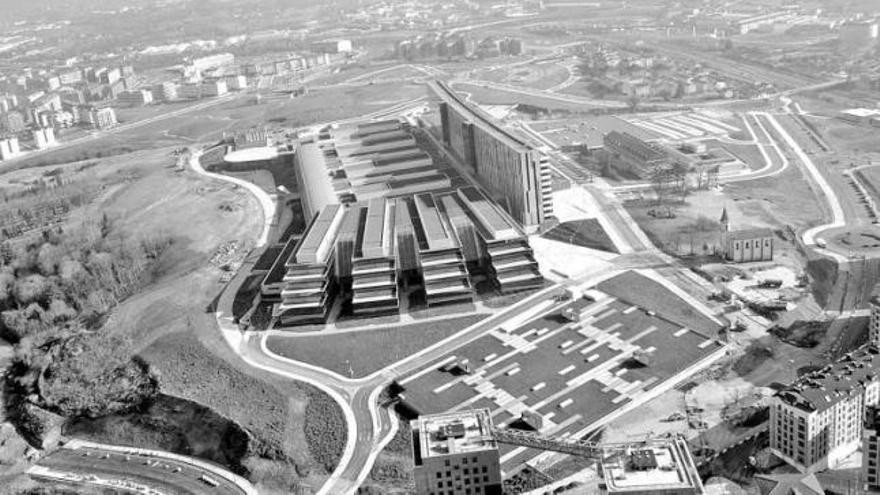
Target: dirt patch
823, 274
807, 334
755, 355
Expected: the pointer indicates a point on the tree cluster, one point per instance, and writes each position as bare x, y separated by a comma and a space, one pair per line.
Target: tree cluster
54, 296
667, 181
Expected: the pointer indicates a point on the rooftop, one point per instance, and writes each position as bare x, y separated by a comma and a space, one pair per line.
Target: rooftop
861, 112
664, 464
749, 234
480, 118
251, 154
825, 387
454, 433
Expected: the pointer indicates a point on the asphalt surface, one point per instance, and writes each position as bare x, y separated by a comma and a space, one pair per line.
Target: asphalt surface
162, 476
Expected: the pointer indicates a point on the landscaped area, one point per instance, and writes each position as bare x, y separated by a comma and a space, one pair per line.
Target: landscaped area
358, 353
585, 233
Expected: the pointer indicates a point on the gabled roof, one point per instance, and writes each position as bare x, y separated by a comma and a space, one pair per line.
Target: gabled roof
749, 234
789, 484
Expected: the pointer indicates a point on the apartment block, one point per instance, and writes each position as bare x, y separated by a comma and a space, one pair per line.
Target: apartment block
874, 324
871, 450
817, 422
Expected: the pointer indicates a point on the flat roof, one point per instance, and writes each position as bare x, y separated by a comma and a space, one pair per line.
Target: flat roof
659, 465
454, 433
377, 230
318, 190
821, 389
257, 153
480, 118
314, 247
861, 112
435, 233
487, 214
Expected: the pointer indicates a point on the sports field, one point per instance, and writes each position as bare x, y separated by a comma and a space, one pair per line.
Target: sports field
575, 374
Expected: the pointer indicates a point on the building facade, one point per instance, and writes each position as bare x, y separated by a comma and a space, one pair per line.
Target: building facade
511, 170
627, 153
456, 454
871, 450
102, 118
744, 246
9, 148
817, 422
874, 323
135, 97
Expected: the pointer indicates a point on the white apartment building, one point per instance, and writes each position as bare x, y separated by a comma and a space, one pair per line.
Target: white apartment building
874, 325
818, 421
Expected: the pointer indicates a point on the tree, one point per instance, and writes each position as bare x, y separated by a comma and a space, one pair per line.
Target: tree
632, 102
679, 177
48, 258
32, 288
662, 181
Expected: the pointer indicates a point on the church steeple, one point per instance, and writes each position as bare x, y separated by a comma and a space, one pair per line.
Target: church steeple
725, 220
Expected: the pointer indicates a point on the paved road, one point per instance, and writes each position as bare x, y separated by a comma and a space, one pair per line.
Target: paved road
125, 127
160, 473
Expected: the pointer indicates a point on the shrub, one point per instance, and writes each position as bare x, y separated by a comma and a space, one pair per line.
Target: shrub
325, 429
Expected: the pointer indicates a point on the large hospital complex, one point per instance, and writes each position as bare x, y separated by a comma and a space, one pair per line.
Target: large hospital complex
388, 221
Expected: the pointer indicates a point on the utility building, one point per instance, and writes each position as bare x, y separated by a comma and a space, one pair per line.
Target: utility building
456, 454
658, 467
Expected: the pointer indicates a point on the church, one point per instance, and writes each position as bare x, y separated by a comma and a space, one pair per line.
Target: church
744, 246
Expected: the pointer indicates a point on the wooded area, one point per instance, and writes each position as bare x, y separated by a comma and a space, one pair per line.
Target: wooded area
54, 296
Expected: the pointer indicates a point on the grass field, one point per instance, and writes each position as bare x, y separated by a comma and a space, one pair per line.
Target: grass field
784, 199
645, 292
534, 75
848, 137
493, 96
694, 231
366, 351
870, 177
749, 154
585, 233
